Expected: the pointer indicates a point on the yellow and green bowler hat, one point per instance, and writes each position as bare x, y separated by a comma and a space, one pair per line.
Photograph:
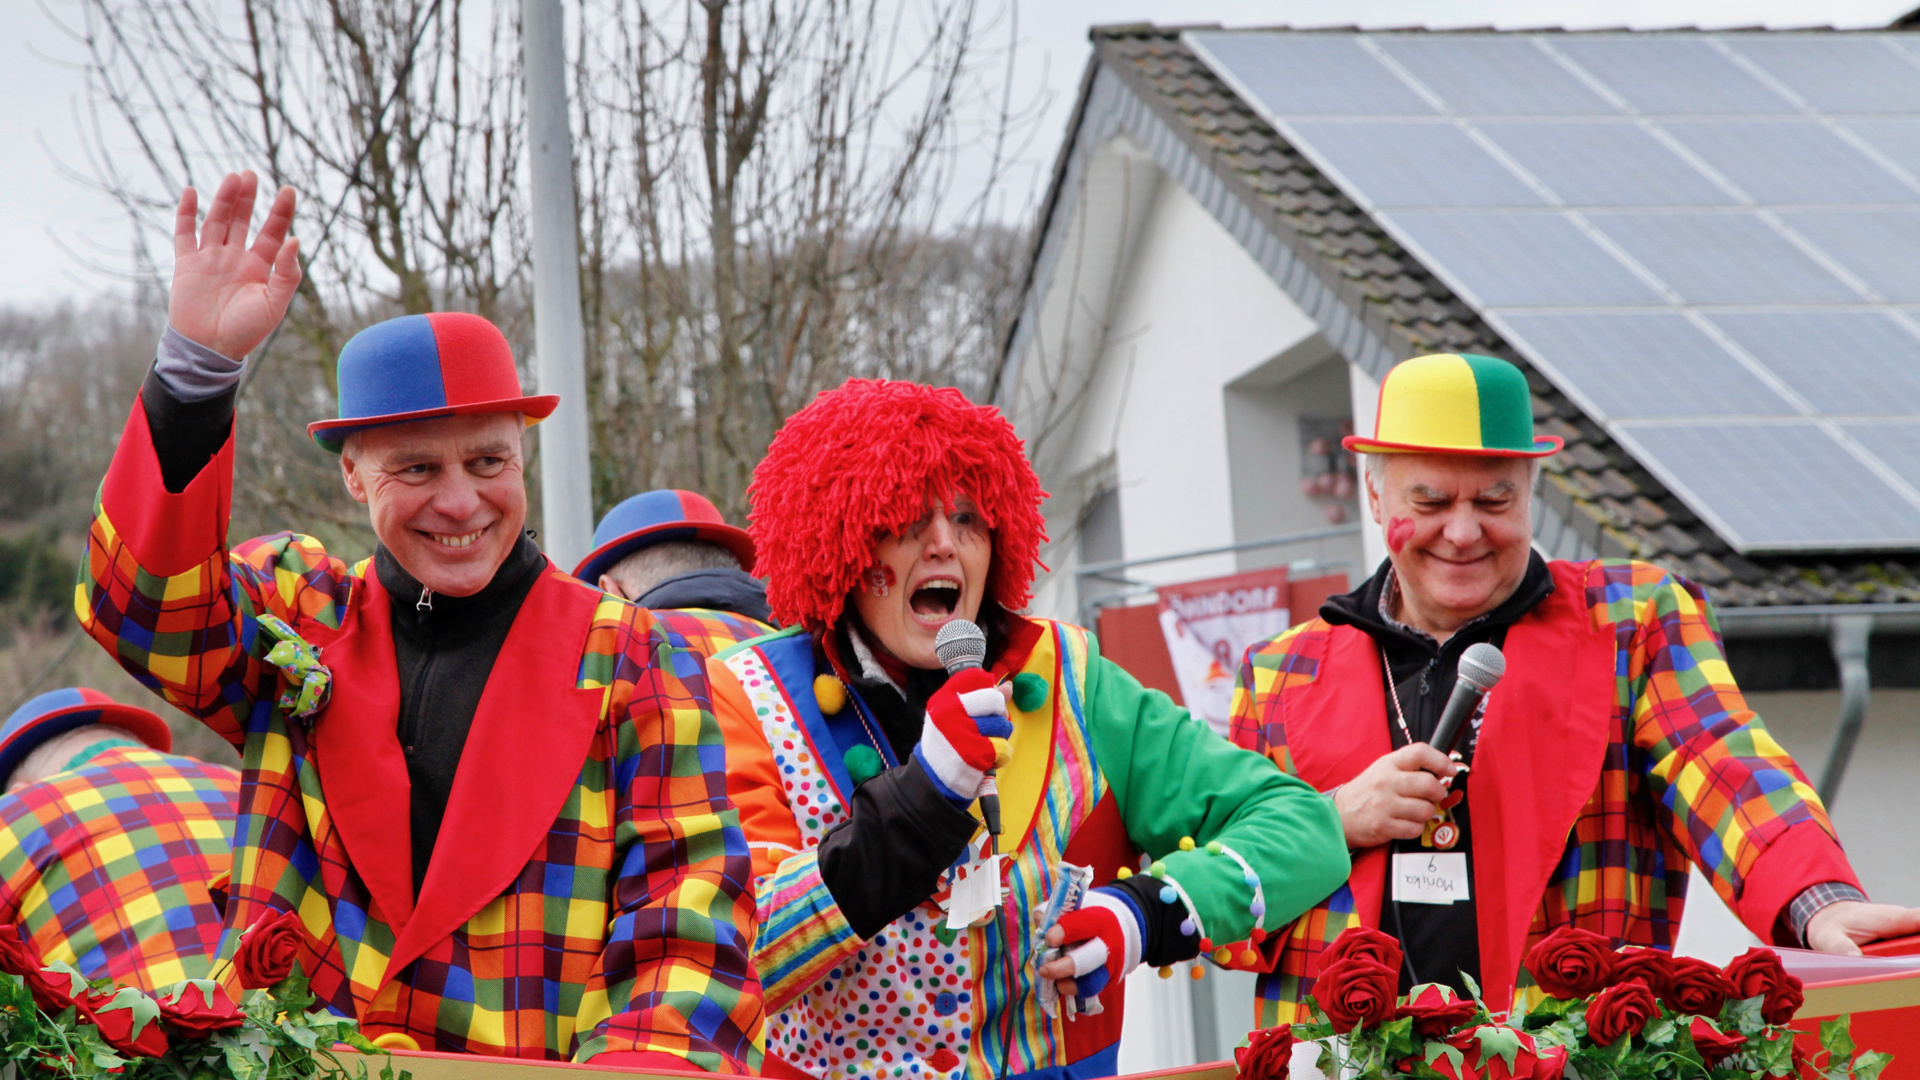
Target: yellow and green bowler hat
1454, 403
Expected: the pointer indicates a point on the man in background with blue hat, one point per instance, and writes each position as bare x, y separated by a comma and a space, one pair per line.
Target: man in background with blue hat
1615, 752
672, 553
495, 796
111, 846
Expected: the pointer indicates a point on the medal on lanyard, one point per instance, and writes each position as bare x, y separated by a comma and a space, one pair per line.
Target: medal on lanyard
1442, 831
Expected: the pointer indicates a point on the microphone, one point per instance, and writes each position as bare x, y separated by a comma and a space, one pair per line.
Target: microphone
1481, 666
961, 645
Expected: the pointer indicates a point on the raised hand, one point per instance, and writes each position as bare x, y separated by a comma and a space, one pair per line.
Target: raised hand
228, 296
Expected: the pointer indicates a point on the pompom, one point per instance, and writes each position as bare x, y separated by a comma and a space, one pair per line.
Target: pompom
1196, 972
1029, 691
860, 462
1186, 843
863, 764
831, 693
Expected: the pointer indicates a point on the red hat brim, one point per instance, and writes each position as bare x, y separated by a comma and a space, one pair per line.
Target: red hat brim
607, 555
143, 724
1543, 446
331, 435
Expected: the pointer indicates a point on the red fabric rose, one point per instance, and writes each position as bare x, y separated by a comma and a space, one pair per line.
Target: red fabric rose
1570, 962
1759, 973
267, 949
1620, 1010
1436, 1011
1366, 943
1530, 1060
1550, 1063
1357, 992
116, 1024
1650, 967
51, 990
16, 956
199, 1010
1696, 988
1268, 1054
1714, 1044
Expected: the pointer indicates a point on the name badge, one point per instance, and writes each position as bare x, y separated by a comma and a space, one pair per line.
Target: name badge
1430, 877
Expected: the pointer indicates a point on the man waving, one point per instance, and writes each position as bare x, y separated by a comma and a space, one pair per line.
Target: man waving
495, 796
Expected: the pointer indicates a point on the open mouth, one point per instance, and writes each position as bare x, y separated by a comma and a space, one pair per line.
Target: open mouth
449, 540
935, 599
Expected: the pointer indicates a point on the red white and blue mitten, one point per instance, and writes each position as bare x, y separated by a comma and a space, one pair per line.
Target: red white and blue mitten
964, 734
1105, 939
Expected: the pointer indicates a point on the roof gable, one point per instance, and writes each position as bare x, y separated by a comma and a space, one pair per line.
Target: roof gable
1379, 304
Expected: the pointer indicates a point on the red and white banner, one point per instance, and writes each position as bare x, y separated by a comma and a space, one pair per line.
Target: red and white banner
1208, 626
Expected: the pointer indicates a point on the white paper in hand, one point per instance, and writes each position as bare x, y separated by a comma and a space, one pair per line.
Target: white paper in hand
975, 893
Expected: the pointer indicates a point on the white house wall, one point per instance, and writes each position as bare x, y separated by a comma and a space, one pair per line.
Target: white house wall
1196, 315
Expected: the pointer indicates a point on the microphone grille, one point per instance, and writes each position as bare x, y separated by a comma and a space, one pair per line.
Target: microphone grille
1482, 665
960, 645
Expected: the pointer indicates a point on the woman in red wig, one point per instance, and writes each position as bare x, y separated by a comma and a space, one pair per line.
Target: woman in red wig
897, 936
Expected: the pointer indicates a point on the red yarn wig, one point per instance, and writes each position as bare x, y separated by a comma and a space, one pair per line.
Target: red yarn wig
860, 463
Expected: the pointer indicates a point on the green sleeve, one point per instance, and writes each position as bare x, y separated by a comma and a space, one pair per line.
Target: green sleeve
1173, 778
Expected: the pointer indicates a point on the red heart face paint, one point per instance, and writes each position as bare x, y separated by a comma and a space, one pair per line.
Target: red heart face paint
1399, 531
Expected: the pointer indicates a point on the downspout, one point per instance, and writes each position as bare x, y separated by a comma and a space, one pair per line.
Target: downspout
1850, 636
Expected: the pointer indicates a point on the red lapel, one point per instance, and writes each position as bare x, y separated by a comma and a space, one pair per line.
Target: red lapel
1542, 744
356, 747
1335, 727
529, 741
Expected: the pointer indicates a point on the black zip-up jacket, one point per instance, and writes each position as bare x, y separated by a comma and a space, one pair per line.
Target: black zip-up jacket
444, 650
718, 589
1440, 940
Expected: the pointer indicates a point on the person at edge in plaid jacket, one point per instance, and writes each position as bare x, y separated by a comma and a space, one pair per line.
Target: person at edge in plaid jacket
503, 820
884, 511
672, 553
110, 844
1616, 753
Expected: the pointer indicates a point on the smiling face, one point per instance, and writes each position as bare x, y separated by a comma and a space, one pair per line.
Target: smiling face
932, 573
447, 496
1458, 529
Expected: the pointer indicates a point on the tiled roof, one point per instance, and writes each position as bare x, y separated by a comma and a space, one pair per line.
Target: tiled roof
1595, 486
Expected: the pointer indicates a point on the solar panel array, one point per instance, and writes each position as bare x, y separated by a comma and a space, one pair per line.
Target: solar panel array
1710, 242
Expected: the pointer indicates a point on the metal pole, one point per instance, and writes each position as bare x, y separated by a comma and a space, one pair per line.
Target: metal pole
559, 349
1851, 638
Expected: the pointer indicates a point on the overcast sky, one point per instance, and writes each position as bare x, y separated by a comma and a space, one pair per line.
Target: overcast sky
62, 239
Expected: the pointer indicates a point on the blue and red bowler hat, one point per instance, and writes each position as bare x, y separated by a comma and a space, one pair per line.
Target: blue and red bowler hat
57, 712
654, 517
418, 367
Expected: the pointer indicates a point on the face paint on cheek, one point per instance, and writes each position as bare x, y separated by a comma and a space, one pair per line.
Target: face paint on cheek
879, 580
1399, 531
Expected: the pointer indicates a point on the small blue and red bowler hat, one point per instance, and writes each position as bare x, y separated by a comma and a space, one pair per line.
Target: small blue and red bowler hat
654, 517
57, 712
418, 367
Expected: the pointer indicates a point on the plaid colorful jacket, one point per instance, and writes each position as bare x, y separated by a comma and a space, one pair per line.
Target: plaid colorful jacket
1616, 753
706, 631
106, 866
590, 891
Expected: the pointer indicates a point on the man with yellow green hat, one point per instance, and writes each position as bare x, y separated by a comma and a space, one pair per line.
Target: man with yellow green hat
1615, 753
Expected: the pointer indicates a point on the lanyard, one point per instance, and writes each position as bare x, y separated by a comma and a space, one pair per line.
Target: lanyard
1399, 714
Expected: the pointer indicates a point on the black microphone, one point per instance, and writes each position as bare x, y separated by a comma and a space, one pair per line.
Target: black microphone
961, 645
1481, 665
